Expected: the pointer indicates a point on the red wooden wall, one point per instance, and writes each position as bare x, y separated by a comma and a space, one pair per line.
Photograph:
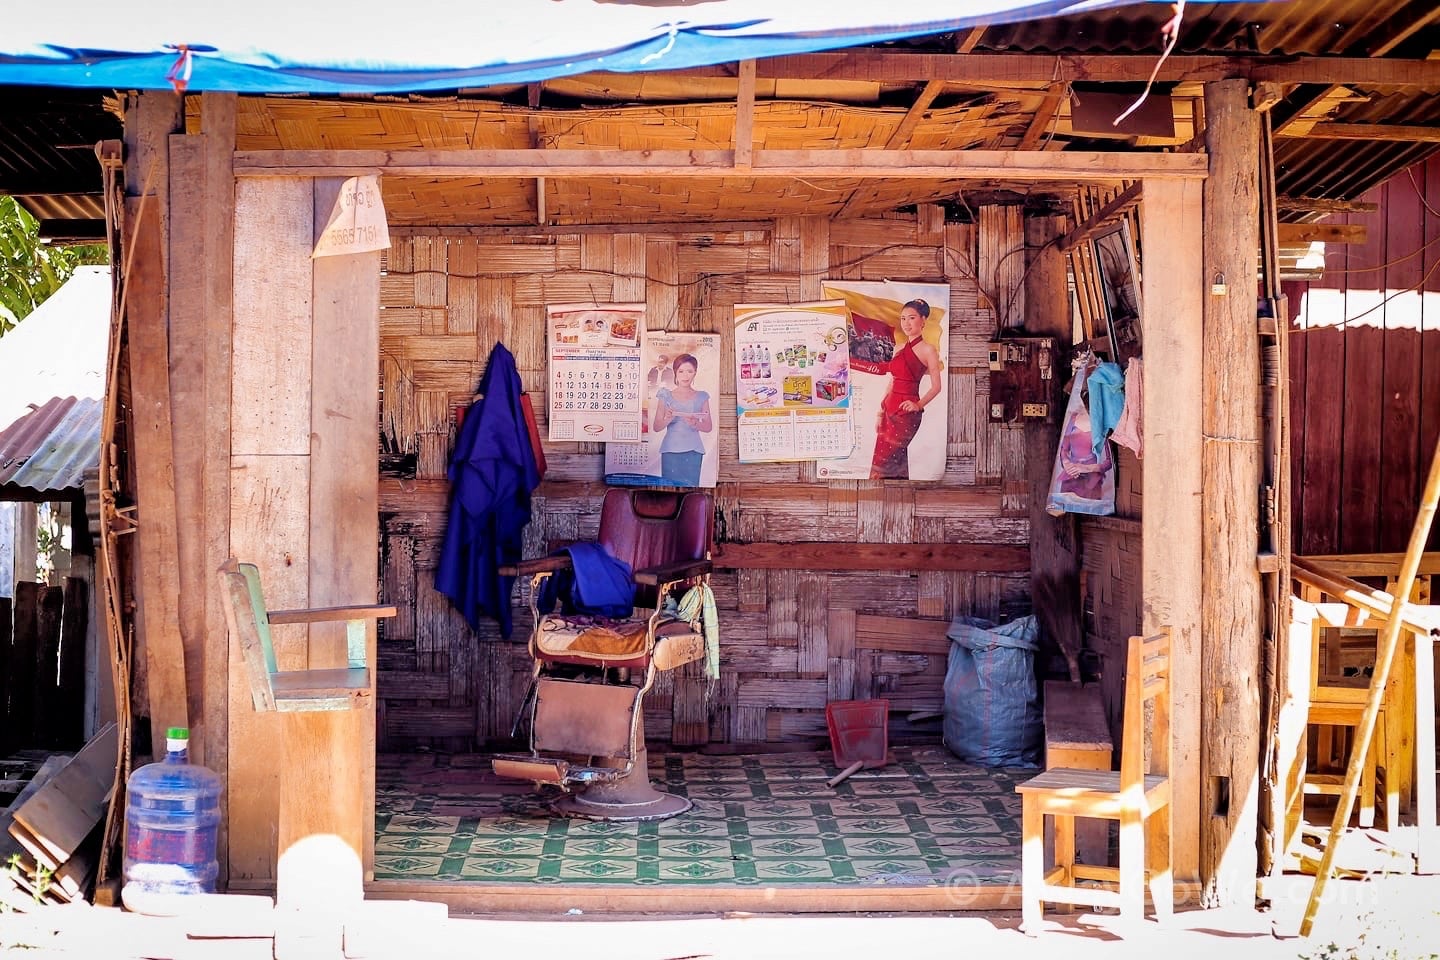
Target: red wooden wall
1365, 375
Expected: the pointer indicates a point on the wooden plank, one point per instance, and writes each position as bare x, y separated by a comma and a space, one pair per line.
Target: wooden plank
1230, 611
23, 666
1171, 486
989, 68
1042, 122
270, 401
1319, 353
8, 739
1126, 200
1295, 233
47, 664
1370, 132
745, 116
187, 288
861, 163
269, 526
68, 720
1363, 369
8, 845
327, 785
217, 119
157, 576
65, 809
817, 555
1397, 486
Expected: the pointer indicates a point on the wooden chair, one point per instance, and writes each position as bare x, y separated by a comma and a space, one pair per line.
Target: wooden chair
285, 691
1137, 795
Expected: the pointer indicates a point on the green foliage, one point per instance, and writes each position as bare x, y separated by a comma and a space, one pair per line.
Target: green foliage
30, 270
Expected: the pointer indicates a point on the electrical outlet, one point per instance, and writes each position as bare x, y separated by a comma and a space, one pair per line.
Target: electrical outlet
997, 411
1033, 410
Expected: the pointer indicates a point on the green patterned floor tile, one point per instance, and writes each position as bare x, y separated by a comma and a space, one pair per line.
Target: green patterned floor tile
422, 823
788, 847
501, 868
405, 867
808, 871
696, 871
595, 869
413, 843
507, 846
697, 847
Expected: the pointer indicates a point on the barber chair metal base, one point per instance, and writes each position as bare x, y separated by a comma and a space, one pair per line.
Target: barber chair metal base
631, 797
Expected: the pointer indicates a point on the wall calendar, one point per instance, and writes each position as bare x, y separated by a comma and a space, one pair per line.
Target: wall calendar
594, 386
792, 381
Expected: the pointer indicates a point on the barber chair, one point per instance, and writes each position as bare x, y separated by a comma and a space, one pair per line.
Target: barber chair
591, 674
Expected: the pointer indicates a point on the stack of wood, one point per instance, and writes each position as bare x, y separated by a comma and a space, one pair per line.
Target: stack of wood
50, 836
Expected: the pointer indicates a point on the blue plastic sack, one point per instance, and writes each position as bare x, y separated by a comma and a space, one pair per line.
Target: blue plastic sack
992, 703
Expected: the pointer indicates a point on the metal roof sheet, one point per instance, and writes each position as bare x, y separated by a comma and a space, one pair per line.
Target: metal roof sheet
49, 449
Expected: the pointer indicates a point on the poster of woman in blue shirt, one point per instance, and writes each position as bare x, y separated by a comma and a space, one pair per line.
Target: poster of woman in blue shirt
678, 446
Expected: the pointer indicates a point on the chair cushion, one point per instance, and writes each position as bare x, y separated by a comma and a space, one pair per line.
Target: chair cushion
593, 640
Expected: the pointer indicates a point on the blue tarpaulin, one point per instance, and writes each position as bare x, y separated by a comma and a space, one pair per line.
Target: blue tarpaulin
366, 46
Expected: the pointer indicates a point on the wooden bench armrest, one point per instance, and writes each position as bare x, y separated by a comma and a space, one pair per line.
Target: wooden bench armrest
526, 568
670, 572
331, 614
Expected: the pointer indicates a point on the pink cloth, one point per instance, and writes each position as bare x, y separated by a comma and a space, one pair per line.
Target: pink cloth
1129, 432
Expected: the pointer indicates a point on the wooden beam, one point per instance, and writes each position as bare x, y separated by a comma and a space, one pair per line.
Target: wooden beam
878, 66
851, 163
688, 229
898, 139
745, 116
1128, 198
967, 41
1292, 233
1324, 205
1230, 659
1399, 133
1043, 117
1171, 486
914, 115
821, 555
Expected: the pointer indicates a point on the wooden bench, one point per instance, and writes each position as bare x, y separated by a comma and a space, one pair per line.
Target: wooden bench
1077, 737
273, 689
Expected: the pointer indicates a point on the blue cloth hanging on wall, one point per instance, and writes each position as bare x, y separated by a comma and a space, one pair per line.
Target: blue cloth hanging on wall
1107, 402
492, 474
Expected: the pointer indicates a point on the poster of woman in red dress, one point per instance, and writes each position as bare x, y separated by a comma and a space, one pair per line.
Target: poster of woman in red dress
903, 408
899, 338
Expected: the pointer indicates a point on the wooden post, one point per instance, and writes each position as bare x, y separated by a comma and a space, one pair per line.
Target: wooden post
1054, 554
217, 121
1230, 614
1171, 216
148, 125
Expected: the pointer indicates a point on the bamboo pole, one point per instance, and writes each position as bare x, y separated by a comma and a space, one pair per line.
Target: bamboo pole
1365, 731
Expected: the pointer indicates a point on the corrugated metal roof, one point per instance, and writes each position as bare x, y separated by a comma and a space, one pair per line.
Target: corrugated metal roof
49, 449
1292, 28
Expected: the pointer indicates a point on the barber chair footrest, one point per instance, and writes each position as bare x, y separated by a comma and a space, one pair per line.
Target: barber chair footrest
552, 770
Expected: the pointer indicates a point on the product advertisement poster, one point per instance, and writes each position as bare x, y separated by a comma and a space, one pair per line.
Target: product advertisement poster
679, 427
792, 381
899, 341
595, 371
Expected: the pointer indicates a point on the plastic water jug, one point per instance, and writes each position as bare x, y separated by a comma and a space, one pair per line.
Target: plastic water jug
172, 812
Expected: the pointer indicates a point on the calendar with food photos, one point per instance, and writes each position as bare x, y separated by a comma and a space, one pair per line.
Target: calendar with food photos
594, 385
792, 376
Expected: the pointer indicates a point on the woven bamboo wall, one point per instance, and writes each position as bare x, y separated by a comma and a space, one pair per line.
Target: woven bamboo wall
791, 638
